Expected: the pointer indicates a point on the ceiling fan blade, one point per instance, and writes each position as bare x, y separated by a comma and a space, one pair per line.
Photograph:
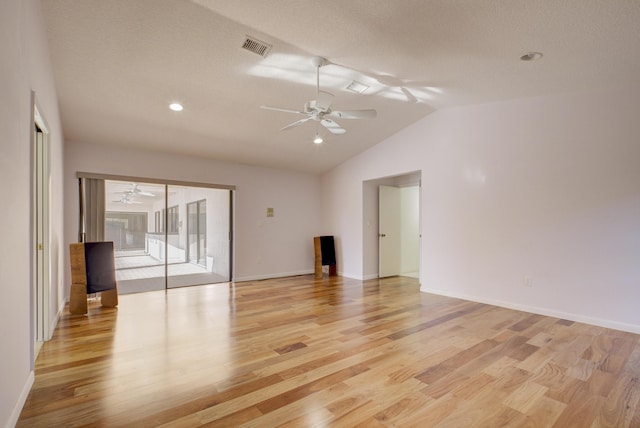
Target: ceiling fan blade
126, 201
354, 114
282, 109
337, 131
410, 97
388, 80
392, 82
296, 123
323, 101
143, 193
332, 126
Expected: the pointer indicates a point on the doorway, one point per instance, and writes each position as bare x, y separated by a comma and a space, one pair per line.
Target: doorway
391, 226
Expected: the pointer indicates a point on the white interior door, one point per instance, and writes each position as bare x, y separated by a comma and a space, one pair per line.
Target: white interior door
389, 231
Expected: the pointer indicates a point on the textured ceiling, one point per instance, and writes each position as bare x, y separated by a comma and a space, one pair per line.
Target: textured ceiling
119, 63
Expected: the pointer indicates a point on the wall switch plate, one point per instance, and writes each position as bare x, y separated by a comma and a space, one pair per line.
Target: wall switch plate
528, 281
269, 212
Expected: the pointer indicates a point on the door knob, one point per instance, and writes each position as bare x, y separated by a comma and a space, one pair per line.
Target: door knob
381, 235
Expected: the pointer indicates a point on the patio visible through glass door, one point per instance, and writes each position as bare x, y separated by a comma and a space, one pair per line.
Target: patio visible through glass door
168, 236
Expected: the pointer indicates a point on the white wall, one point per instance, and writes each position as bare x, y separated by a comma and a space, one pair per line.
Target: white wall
264, 247
546, 188
24, 67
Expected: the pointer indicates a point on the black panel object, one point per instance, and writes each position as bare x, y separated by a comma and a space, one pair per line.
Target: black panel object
328, 250
100, 266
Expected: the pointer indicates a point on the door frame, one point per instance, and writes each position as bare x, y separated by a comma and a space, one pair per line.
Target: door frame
40, 288
370, 218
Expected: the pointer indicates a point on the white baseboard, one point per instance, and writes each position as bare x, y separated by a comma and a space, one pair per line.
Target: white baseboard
15, 414
415, 275
285, 274
376, 276
631, 328
272, 275
54, 323
351, 275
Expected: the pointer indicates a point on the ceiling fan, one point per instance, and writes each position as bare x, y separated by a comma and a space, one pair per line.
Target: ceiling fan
136, 191
126, 199
320, 109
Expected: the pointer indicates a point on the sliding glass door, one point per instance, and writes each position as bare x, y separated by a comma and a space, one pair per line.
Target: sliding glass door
204, 234
168, 236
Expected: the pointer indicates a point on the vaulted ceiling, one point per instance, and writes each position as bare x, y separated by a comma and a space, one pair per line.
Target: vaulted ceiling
118, 64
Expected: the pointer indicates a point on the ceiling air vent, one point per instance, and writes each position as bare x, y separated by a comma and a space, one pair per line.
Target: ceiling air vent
256, 46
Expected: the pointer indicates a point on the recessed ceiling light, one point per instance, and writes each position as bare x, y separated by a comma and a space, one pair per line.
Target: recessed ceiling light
176, 107
531, 56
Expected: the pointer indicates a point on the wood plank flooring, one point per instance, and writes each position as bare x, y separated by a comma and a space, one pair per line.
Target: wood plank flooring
299, 352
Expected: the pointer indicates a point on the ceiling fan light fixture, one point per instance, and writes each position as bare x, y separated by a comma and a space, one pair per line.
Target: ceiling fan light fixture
318, 139
176, 107
356, 87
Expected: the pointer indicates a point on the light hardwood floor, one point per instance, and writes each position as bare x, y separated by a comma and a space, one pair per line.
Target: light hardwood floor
300, 352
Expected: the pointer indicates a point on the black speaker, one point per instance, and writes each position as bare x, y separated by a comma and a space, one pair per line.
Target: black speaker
100, 266
328, 250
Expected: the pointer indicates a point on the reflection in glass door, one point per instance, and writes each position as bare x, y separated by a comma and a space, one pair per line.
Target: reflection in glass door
202, 232
197, 232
